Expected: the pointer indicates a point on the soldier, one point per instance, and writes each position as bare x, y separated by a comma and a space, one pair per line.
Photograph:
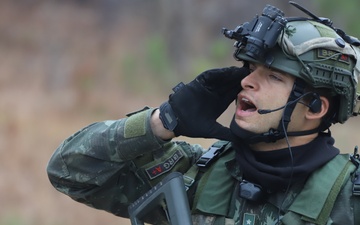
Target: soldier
275, 164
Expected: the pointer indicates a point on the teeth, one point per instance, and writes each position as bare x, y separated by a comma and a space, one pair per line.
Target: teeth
247, 104
245, 100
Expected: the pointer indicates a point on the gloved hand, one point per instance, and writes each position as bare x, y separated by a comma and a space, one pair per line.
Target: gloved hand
192, 110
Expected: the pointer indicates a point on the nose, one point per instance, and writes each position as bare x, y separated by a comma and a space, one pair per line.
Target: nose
250, 81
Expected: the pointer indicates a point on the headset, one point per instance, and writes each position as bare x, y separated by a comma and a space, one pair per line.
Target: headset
315, 103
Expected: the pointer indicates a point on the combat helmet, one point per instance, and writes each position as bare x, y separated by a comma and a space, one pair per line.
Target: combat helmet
310, 49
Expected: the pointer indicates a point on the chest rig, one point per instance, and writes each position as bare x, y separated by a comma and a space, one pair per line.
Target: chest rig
216, 193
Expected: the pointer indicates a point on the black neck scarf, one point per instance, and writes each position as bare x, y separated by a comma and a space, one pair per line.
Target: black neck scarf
274, 171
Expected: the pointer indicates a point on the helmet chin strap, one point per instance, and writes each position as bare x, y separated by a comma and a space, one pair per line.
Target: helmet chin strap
272, 135
276, 134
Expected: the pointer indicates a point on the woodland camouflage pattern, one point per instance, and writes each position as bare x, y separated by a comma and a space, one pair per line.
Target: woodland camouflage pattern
114, 176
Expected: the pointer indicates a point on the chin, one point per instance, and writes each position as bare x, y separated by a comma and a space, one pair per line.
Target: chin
254, 127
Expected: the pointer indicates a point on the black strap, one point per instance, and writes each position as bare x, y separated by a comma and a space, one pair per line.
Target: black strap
204, 162
297, 91
356, 193
354, 158
211, 154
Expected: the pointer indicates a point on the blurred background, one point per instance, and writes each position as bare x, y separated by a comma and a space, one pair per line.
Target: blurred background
67, 63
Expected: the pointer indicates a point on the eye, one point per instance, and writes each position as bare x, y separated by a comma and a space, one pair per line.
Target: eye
252, 68
275, 77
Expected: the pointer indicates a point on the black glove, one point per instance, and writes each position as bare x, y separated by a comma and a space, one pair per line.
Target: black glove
192, 110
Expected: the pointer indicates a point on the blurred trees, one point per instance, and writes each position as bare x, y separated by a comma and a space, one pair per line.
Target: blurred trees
92, 42
66, 63
345, 14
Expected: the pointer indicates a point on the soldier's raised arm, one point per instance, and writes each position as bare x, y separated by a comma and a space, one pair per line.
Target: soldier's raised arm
108, 165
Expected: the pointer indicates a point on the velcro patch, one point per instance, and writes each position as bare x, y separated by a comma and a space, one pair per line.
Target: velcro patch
249, 219
135, 125
164, 166
333, 55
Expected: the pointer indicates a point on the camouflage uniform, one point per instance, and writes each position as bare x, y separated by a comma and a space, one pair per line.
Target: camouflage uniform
108, 165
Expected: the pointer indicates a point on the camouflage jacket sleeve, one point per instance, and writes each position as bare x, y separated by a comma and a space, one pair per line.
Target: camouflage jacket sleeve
108, 165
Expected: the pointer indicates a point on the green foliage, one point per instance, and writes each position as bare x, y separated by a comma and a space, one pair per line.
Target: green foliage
220, 49
199, 65
153, 69
12, 220
128, 65
341, 12
156, 55
129, 71
145, 71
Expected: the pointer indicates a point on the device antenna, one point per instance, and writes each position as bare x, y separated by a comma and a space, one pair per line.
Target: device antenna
322, 20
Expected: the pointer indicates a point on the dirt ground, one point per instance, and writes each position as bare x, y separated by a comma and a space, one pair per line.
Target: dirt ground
40, 108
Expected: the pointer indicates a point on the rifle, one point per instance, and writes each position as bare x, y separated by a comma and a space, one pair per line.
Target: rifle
170, 190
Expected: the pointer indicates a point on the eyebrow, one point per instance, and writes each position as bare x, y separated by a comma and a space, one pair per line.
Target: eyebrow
279, 71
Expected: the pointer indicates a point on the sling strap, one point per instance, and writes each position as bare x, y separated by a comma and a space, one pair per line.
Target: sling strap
356, 184
315, 202
217, 149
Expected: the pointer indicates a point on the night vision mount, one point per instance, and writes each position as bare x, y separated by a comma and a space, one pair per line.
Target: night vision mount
259, 34
262, 32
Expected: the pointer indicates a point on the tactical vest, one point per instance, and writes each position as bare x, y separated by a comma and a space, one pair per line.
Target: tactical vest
215, 200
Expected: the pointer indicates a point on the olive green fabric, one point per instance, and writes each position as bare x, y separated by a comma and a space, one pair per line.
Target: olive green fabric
216, 180
135, 125
312, 205
316, 200
100, 167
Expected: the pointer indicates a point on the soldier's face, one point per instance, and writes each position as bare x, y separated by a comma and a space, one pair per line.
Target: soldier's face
263, 88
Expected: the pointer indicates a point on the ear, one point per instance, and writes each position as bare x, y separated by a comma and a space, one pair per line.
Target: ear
310, 114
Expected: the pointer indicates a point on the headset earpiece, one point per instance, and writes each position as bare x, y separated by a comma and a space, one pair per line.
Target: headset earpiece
315, 103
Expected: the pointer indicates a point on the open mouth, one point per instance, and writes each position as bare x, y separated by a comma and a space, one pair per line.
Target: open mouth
247, 105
